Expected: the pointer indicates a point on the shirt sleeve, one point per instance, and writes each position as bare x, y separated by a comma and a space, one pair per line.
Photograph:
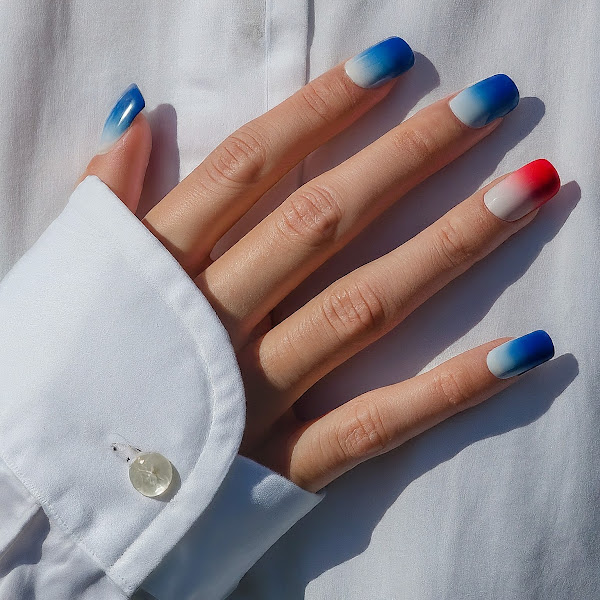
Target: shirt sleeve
230, 536
108, 343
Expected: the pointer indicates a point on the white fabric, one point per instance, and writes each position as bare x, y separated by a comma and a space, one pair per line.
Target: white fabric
499, 502
108, 340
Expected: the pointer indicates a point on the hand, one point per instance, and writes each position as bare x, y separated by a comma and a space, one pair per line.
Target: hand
280, 363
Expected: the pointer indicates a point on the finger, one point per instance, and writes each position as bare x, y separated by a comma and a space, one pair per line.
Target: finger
362, 306
124, 149
325, 213
383, 419
194, 215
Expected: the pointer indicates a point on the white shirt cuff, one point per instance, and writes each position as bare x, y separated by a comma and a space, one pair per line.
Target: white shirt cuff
106, 339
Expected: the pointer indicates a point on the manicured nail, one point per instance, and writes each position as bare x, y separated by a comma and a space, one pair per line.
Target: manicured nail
523, 191
121, 117
380, 63
485, 101
521, 354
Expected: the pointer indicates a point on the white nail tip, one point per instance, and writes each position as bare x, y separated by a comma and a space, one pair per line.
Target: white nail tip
359, 74
520, 355
468, 109
497, 364
509, 200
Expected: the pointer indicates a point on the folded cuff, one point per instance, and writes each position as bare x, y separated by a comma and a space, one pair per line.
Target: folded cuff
106, 339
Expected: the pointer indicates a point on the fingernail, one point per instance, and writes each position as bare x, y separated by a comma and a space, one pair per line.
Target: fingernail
523, 191
380, 63
485, 101
520, 355
121, 116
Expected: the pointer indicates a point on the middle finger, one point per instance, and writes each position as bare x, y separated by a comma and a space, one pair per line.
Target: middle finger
327, 212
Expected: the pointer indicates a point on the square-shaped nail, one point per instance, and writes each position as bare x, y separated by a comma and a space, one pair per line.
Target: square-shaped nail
485, 101
521, 354
523, 190
380, 63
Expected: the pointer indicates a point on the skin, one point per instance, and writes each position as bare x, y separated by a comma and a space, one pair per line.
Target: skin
244, 285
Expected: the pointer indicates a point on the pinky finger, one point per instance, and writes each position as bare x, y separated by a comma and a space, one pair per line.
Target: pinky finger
383, 419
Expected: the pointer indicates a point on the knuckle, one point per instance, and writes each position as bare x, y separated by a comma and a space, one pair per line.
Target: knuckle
240, 159
418, 142
315, 97
451, 246
363, 434
451, 387
311, 215
353, 310
324, 97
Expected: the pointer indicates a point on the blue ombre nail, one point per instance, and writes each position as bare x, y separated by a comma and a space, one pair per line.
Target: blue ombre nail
485, 101
380, 63
121, 116
521, 354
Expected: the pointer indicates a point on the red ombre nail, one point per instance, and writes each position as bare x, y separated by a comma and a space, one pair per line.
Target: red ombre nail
523, 191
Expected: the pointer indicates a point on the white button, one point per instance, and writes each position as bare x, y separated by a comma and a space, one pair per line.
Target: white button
151, 474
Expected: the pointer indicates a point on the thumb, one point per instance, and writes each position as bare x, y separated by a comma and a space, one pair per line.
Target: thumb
124, 149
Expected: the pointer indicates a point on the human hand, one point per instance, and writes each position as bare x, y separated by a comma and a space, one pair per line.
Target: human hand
279, 363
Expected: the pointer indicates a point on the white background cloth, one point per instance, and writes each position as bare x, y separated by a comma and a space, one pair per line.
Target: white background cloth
498, 502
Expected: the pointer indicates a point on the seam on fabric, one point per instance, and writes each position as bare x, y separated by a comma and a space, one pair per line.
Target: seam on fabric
35, 492
267, 26
308, 4
123, 584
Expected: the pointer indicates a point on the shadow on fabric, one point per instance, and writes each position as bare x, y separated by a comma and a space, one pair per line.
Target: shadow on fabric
163, 170
26, 549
